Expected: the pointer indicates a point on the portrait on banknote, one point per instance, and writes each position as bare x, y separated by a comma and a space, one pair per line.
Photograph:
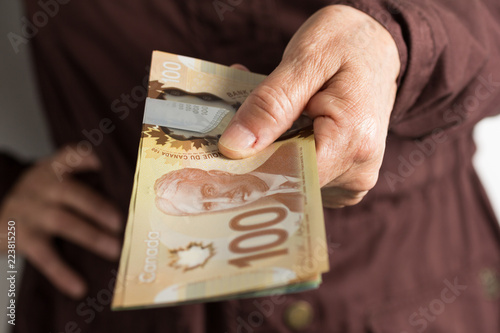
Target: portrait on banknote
191, 191
202, 226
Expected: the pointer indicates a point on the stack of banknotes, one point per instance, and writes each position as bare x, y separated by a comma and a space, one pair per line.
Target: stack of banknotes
202, 227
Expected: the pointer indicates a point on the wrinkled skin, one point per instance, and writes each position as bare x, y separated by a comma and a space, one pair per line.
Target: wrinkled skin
44, 206
341, 69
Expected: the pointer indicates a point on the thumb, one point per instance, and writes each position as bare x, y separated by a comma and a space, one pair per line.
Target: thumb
272, 107
240, 67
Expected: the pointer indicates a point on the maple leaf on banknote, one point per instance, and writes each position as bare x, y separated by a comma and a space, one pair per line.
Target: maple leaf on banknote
198, 144
154, 89
192, 256
203, 227
150, 131
186, 145
205, 142
162, 138
156, 133
153, 154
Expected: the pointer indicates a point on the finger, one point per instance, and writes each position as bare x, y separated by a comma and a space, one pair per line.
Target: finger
41, 254
338, 197
87, 202
69, 226
240, 67
347, 130
71, 159
274, 105
333, 126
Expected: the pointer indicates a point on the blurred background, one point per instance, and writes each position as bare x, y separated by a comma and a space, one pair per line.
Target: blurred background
23, 130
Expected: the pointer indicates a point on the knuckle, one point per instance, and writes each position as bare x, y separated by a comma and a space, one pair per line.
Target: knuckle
307, 56
55, 191
328, 11
274, 103
366, 182
54, 220
354, 198
369, 145
307, 50
360, 183
353, 201
346, 198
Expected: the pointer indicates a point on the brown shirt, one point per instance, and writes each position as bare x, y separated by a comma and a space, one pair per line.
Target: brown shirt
425, 235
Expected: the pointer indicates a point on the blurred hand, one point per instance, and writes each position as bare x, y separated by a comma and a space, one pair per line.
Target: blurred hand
43, 207
340, 67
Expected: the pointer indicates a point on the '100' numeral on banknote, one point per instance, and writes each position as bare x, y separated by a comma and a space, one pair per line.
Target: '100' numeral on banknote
222, 228
257, 230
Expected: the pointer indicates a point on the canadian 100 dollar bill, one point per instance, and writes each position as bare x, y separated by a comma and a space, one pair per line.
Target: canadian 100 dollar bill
201, 226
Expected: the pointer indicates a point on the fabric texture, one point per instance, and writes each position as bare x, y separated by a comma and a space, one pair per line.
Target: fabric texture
422, 250
12, 169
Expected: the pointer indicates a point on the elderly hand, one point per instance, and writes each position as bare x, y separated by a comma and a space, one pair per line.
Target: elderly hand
43, 207
340, 68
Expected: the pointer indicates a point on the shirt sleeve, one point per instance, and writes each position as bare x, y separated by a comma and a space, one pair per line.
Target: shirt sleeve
450, 61
11, 170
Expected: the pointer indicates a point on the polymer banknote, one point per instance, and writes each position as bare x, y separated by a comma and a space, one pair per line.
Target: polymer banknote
204, 227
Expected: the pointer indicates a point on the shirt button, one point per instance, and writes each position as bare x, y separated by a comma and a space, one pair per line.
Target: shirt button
298, 315
491, 283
